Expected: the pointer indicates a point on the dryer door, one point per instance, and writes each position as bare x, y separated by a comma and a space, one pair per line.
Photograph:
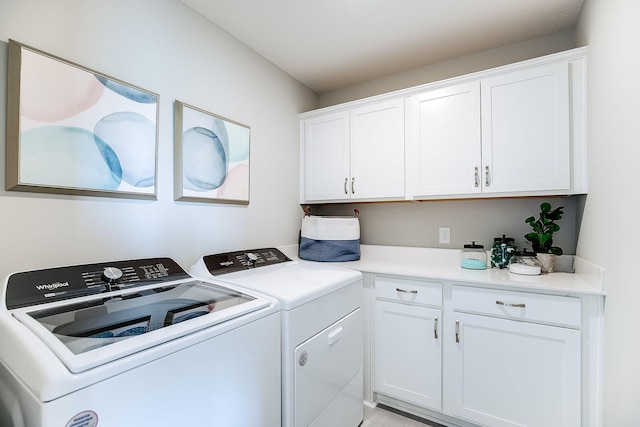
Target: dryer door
325, 364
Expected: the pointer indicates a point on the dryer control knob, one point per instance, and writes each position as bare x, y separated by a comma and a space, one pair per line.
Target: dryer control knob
111, 275
252, 258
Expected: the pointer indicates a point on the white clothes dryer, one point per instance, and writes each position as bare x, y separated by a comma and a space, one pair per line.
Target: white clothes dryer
136, 343
322, 383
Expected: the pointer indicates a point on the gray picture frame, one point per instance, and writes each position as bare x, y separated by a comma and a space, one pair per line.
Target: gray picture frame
211, 156
72, 130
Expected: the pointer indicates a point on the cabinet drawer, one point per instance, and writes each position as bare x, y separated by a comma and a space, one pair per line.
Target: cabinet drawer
407, 290
551, 309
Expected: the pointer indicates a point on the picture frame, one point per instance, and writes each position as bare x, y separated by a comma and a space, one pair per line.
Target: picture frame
211, 155
73, 130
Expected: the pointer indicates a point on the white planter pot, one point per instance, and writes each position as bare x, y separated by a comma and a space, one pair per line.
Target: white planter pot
547, 262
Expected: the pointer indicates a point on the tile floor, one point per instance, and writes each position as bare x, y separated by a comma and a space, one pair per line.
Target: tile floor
381, 417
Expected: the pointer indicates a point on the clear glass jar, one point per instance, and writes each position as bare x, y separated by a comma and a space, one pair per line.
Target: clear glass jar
502, 250
473, 257
526, 263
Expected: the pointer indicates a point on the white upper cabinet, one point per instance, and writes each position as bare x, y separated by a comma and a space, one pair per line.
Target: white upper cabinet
355, 154
326, 157
443, 141
526, 130
517, 130
506, 134
377, 151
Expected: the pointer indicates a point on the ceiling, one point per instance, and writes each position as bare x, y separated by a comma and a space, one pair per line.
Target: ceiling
332, 44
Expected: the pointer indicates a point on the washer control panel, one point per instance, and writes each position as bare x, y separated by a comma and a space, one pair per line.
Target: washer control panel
54, 284
229, 262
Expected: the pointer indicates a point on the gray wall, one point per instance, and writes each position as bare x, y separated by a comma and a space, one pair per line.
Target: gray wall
417, 223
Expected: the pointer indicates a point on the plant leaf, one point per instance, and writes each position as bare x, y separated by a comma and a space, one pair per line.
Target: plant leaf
545, 207
556, 250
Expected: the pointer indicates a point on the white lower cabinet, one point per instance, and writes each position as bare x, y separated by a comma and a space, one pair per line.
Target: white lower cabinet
408, 353
515, 358
408, 350
507, 373
470, 355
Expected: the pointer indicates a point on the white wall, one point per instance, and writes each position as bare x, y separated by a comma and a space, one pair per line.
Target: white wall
610, 233
164, 47
466, 64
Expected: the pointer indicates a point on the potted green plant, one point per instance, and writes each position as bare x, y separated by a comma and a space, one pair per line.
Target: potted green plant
541, 237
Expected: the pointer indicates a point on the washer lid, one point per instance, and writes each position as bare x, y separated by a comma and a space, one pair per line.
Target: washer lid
92, 331
91, 314
293, 283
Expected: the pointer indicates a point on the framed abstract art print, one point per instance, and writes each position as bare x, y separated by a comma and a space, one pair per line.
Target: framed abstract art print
211, 157
72, 130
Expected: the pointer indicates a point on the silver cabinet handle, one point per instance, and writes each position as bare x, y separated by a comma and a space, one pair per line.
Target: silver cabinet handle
457, 331
435, 327
412, 291
345, 185
508, 304
353, 188
486, 176
477, 177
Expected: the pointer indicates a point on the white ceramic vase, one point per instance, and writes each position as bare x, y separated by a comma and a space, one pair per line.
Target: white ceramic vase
547, 262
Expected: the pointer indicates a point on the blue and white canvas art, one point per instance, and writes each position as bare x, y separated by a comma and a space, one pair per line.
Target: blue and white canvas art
76, 131
212, 157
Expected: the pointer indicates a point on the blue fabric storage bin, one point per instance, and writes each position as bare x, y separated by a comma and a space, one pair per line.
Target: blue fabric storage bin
329, 238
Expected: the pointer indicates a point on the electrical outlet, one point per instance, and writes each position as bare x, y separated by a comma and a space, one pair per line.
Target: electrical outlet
444, 235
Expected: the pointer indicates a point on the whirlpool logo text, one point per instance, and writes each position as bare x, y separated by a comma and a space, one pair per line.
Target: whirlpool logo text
52, 286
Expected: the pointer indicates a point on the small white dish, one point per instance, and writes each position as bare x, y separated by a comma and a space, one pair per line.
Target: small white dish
528, 270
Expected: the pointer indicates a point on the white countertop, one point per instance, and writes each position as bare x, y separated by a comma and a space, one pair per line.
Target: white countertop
444, 264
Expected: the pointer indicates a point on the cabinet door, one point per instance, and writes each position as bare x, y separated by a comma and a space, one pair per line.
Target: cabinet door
407, 356
509, 373
443, 141
326, 157
525, 130
377, 151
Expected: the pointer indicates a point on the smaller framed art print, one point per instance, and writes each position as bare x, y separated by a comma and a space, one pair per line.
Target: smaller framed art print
71, 130
211, 157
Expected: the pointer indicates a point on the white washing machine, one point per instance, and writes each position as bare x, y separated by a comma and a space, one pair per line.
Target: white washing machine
321, 331
136, 343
